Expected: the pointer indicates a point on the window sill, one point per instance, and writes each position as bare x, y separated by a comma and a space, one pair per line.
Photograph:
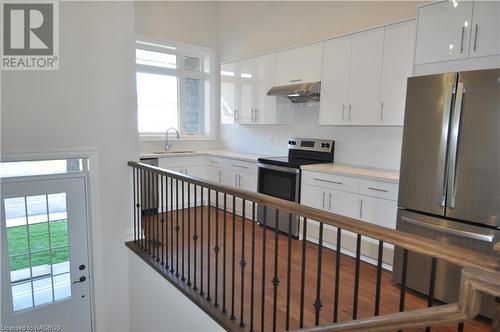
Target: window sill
161, 137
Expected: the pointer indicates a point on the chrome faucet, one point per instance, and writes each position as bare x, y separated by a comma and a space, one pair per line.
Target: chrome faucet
168, 145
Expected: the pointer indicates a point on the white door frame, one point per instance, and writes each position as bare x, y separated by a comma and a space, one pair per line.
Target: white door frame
91, 196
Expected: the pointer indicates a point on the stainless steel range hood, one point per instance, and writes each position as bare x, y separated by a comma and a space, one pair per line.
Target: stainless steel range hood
298, 93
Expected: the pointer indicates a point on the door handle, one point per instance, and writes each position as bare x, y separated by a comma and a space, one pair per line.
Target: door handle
360, 208
462, 40
239, 180
82, 279
476, 29
330, 201
236, 180
323, 200
450, 230
219, 175
454, 144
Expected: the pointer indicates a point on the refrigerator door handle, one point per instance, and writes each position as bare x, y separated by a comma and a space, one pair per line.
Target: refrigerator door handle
454, 144
449, 230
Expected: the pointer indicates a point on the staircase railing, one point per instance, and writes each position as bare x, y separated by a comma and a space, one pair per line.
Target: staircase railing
214, 244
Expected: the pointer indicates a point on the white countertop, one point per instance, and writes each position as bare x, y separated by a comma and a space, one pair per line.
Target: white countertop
363, 172
212, 153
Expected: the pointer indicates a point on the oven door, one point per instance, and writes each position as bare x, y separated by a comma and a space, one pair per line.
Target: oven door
281, 182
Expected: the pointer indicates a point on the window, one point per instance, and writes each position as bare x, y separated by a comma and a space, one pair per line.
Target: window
173, 89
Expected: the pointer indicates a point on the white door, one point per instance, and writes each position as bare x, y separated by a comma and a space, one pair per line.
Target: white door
443, 31
45, 262
335, 81
399, 46
485, 34
366, 72
299, 65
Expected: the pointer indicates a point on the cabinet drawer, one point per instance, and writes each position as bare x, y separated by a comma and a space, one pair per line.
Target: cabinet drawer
171, 162
331, 181
385, 190
233, 164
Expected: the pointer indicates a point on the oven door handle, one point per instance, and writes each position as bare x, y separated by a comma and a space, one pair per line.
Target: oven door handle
279, 168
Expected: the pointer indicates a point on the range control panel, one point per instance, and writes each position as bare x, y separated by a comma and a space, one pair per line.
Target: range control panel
311, 144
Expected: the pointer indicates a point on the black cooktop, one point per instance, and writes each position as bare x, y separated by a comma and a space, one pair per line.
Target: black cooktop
289, 162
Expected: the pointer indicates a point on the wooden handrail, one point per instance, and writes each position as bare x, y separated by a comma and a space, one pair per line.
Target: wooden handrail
450, 253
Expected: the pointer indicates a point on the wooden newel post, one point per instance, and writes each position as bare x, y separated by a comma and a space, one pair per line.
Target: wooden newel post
495, 327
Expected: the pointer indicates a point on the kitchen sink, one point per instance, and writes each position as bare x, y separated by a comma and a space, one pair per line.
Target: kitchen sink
172, 152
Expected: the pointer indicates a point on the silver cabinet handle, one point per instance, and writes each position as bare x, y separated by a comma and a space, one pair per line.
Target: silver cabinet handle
239, 166
323, 200
462, 40
343, 112
251, 116
360, 208
219, 175
236, 180
476, 29
450, 230
329, 181
350, 108
239, 180
377, 189
330, 201
296, 80
381, 111
256, 112
454, 144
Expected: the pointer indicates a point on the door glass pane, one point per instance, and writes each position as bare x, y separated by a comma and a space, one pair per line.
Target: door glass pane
156, 102
38, 249
193, 105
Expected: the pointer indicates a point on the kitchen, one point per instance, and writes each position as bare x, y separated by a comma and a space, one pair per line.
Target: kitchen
346, 96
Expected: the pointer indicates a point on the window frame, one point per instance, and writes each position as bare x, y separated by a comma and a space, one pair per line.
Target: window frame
206, 75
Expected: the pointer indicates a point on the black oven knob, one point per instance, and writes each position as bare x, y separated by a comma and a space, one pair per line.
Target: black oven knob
292, 142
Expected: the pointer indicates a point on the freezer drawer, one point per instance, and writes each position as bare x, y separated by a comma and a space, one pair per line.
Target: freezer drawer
447, 275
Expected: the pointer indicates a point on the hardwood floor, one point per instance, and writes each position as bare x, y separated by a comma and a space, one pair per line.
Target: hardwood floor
238, 235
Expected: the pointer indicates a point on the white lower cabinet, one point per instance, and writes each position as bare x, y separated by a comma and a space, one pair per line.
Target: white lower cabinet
325, 191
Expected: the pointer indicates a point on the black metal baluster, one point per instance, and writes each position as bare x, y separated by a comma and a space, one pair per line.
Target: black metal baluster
337, 277
177, 228
189, 234
379, 276
202, 218
460, 327
141, 209
252, 269
243, 263
171, 225
432, 282
233, 267
356, 278
195, 236
224, 256
317, 304
134, 171
263, 288
216, 250
156, 204
165, 217
303, 273
275, 280
182, 232
149, 193
403, 282
208, 246
288, 272
162, 219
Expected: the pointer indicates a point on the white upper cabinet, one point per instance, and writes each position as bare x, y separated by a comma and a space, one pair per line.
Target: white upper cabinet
485, 30
366, 71
299, 65
399, 48
443, 31
335, 81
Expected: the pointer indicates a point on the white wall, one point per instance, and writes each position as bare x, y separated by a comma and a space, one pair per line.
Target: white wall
188, 22
156, 305
89, 103
251, 28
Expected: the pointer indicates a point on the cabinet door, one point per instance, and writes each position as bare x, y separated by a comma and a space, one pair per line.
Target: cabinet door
335, 81
343, 203
366, 71
313, 196
485, 34
299, 65
213, 174
247, 181
228, 102
264, 105
245, 101
443, 31
399, 46
378, 211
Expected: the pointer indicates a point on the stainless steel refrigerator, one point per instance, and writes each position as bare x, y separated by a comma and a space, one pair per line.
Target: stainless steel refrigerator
449, 186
